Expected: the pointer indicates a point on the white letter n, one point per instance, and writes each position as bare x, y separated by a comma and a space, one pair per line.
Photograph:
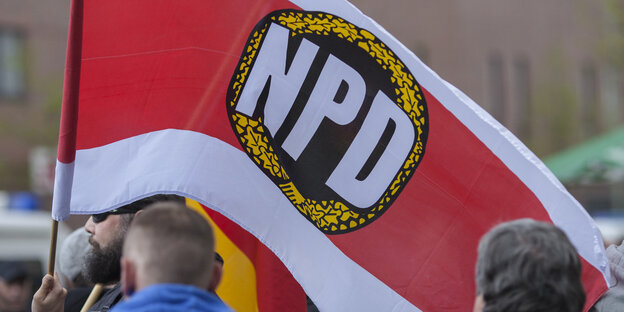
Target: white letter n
284, 86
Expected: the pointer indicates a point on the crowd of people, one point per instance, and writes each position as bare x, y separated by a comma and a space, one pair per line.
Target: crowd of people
165, 261
15, 286
155, 254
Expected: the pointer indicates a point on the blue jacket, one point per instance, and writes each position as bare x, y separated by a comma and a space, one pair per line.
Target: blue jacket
172, 297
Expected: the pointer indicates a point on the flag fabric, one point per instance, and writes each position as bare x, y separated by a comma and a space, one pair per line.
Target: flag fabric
253, 279
312, 128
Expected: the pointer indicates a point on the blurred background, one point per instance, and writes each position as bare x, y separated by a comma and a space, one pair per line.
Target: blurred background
551, 71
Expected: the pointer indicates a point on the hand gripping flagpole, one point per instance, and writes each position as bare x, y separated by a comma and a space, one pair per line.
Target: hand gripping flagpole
69, 122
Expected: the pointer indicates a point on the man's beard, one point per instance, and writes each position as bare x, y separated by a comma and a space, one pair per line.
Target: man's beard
102, 264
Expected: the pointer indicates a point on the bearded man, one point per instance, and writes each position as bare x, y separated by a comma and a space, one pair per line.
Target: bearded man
102, 264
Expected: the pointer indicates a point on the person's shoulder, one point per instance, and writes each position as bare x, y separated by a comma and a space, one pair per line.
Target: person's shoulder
215, 303
108, 299
173, 297
219, 305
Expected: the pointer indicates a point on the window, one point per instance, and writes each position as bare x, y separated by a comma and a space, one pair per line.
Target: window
611, 84
496, 87
589, 99
12, 77
522, 82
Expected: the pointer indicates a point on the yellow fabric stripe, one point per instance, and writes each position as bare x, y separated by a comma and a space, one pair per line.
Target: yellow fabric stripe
238, 285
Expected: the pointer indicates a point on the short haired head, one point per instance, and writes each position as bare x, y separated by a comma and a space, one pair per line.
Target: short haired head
526, 265
168, 243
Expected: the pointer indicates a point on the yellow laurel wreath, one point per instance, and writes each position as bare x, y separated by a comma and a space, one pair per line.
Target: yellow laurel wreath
331, 217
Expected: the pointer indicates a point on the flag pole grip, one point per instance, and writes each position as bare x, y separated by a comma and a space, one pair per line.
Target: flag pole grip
53, 238
93, 297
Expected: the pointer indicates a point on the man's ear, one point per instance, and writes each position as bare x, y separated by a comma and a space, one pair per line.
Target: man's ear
128, 277
479, 304
217, 273
134, 216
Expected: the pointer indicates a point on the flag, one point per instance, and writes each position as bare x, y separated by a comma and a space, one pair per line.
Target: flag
253, 279
313, 129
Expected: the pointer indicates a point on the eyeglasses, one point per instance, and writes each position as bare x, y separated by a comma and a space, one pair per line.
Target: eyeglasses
99, 217
218, 258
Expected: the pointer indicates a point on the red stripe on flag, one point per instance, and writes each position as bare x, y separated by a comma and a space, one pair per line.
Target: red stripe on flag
593, 282
165, 66
277, 289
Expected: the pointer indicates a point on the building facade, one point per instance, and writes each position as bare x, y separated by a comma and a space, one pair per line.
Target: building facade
550, 71
33, 39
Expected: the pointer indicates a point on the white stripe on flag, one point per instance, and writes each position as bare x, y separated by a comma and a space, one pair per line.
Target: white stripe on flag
63, 178
225, 179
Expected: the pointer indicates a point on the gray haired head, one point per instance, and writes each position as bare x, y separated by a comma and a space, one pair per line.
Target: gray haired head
72, 257
526, 265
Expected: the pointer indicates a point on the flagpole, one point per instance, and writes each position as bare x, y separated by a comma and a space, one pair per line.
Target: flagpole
93, 297
53, 239
69, 124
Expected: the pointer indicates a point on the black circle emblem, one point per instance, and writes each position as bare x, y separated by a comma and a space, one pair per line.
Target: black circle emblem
330, 114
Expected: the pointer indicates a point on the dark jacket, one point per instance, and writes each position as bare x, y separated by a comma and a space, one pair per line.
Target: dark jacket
76, 298
108, 299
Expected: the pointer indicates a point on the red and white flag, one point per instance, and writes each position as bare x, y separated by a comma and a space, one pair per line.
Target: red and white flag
311, 127
253, 279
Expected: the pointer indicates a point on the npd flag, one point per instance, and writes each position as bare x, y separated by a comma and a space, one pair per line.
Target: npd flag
339, 129
312, 128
